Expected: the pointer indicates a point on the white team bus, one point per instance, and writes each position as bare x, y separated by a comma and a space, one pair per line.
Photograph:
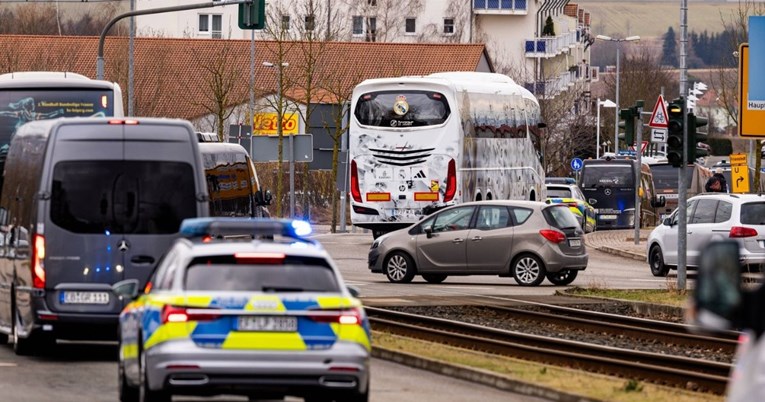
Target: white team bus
40, 95
418, 144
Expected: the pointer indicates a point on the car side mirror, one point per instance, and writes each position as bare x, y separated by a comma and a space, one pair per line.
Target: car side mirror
717, 296
126, 289
354, 291
667, 222
428, 231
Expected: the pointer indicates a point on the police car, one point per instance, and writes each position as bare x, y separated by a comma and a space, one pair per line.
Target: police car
244, 306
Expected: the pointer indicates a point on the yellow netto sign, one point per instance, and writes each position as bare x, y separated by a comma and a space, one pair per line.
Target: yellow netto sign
268, 124
751, 122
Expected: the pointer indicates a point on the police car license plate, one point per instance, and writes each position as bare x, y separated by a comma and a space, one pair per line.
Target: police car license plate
85, 298
267, 323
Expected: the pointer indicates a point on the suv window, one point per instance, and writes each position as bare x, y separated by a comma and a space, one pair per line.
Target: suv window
453, 219
521, 215
493, 217
138, 197
561, 217
723, 211
705, 212
753, 213
294, 275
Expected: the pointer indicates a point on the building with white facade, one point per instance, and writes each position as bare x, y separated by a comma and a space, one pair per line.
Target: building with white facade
546, 61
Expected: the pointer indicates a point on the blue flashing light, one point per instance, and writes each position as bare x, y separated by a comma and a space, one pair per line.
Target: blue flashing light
107, 232
301, 228
109, 248
108, 269
98, 269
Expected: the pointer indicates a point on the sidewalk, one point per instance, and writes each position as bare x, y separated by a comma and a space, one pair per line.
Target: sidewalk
619, 242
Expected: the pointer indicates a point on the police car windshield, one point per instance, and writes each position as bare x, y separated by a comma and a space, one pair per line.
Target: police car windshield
293, 276
558, 192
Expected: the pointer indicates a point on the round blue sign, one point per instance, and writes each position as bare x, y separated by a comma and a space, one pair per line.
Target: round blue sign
576, 164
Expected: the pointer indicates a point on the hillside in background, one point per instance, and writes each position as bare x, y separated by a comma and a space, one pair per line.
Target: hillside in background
651, 19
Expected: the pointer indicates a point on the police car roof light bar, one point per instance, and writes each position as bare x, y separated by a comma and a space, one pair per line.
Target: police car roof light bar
216, 227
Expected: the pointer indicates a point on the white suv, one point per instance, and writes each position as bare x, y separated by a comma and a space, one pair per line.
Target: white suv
711, 216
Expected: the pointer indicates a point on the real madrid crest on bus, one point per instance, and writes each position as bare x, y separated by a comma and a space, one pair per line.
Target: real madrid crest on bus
401, 107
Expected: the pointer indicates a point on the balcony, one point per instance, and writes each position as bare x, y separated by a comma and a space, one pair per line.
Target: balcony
552, 46
508, 7
551, 88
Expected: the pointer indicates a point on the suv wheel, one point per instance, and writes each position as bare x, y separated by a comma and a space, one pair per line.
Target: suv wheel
562, 278
528, 270
399, 267
656, 261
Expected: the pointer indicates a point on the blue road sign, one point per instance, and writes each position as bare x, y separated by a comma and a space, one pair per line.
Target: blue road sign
756, 60
576, 164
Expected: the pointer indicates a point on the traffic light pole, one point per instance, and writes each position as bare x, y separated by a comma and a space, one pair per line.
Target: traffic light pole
638, 172
682, 192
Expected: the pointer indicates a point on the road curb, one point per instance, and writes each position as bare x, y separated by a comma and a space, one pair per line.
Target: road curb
475, 375
623, 253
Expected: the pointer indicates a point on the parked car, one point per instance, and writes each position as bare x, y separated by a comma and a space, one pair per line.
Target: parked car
711, 217
527, 240
263, 318
571, 195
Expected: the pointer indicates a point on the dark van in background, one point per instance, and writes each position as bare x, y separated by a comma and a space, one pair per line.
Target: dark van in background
88, 203
232, 181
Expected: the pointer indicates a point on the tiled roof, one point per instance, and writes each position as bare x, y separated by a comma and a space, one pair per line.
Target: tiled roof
172, 76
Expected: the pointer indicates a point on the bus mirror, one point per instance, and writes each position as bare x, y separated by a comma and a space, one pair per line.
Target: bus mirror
658, 201
269, 197
261, 199
717, 296
428, 231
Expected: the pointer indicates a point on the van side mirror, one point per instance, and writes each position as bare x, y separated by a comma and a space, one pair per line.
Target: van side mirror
717, 296
126, 289
428, 231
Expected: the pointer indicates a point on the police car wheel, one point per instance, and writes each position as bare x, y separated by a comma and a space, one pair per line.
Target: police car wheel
399, 267
528, 270
127, 392
562, 278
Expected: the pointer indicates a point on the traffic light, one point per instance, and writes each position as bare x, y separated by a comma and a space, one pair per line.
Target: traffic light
252, 15
675, 131
628, 124
694, 137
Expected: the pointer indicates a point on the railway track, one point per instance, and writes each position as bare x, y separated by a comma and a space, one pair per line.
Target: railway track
677, 371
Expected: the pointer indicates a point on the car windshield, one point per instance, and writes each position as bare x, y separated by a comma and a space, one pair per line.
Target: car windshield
558, 192
560, 216
611, 175
266, 278
665, 177
753, 213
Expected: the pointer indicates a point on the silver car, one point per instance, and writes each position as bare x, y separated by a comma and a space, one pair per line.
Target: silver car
524, 239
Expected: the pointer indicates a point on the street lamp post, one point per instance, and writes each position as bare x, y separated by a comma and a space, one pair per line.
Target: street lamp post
279, 117
605, 103
616, 114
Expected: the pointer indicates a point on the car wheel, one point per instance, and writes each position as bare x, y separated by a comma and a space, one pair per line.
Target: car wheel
656, 261
399, 267
145, 394
562, 278
434, 278
528, 270
34, 343
127, 392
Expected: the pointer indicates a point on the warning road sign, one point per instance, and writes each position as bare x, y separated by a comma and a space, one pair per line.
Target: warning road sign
659, 115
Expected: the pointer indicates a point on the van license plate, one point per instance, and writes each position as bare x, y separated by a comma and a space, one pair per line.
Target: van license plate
575, 243
85, 298
267, 324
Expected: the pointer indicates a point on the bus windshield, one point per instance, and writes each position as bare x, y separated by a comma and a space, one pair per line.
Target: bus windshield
19, 106
402, 109
665, 177
612, 175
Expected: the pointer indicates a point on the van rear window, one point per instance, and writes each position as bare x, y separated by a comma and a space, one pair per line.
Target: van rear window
122, 197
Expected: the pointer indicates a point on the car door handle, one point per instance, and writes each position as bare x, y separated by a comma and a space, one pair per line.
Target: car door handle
142, 259
477, 238
455, 241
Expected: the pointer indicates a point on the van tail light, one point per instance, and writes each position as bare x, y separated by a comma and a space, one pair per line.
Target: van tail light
552, 235
38, 264
451, 181
347, 317
355, 189
183, 314
741, 231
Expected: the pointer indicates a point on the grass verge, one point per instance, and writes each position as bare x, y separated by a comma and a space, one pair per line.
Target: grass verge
670, 296
590, 385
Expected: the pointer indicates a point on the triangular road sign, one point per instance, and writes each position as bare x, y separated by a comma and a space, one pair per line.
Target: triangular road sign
659, 118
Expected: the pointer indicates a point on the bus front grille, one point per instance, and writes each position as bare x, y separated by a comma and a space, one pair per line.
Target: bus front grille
401, 158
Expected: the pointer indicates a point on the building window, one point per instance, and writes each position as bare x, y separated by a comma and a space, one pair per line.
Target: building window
208, 21
448, 26
358, 25
285, 22
371, 29
410, 25
310, 24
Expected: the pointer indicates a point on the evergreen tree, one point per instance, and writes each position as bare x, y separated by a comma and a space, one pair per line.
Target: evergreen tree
669, 49
549, 28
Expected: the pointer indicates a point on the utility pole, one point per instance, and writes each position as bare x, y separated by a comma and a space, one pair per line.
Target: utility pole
682, 194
